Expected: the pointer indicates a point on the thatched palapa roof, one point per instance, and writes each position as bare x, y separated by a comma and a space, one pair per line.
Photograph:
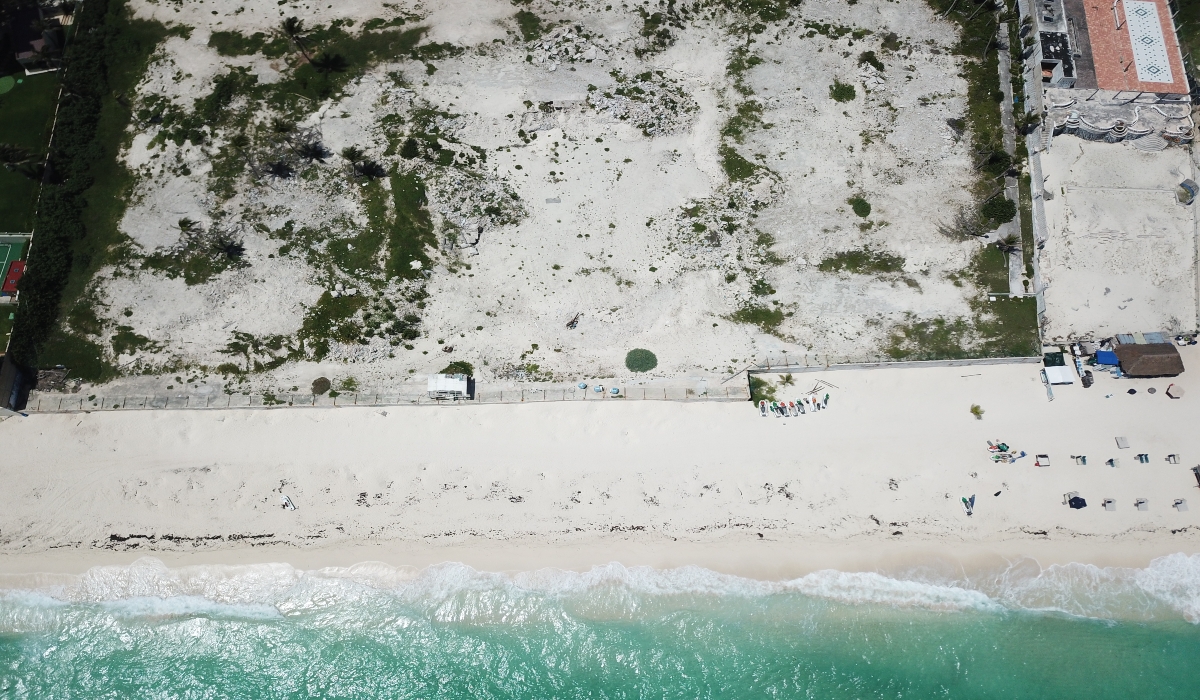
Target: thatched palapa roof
1150, 360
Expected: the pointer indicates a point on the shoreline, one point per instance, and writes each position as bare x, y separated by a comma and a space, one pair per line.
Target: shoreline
757, 560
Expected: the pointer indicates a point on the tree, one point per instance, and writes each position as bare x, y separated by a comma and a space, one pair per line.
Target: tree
999, 209
293, 29
353, 154
312, 150
1009, 244
640, 360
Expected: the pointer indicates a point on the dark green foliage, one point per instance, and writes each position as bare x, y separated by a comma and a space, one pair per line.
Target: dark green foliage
990, 269
937, 339
869, 58
767, 319
330, 63
765, 10
235, 44
76, 223
860, 206
459, 367
640, 360
331, 318
998, 162
321, 385
736, 167
841, 92
409, 150
529, 24
999, 209
436, 52
761, 390
761, 288
863, 262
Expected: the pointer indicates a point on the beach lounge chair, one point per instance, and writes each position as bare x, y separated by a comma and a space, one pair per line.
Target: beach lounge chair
1196, 473
762, 407
287, 502
1172, 459
1114, 462
1180, 505
1068, 496
1109, 504
1041, 461
800, 406
1141, 504
1081, 460
1122, 443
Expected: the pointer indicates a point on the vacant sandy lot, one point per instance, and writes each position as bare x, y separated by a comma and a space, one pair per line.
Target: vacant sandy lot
585, 175
1121, 252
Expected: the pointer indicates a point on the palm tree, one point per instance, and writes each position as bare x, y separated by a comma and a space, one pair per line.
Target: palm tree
282, 126
279, 169
353, 154
293, 28
312, 150
1009, 244
187, 225
13, 155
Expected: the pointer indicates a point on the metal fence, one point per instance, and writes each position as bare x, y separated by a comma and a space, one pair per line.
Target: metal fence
74, 403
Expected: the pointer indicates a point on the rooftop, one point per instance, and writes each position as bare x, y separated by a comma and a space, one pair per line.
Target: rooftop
1134, 46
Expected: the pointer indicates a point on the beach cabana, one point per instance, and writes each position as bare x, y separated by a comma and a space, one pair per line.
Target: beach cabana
1149, 360
448, 386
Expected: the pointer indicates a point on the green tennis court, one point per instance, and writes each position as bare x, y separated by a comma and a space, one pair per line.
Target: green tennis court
11, 248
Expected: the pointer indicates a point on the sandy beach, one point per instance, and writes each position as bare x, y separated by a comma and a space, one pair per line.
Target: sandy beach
873, 482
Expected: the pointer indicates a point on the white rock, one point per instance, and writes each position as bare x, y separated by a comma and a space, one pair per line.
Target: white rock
338, 286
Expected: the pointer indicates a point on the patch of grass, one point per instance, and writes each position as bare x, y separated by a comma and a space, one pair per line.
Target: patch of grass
529, 24
127, 342
412, 229
1008, 327
761, 288
82, 356
860, 206
324, 78
936, 339
26, 113
748, 116
331, 318
640, 360
200, 258
842, 92
736, 167
767, 319
990, 269
863, 262
235, 44
459, 367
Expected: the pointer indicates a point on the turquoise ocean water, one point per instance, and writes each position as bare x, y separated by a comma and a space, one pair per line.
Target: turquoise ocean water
269, 631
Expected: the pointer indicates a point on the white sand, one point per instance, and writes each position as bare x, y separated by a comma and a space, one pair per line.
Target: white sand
1121, 254
874, 478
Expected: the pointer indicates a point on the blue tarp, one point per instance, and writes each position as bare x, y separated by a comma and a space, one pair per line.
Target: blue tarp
1107, 357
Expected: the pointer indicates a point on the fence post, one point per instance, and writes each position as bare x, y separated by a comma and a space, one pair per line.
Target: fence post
59, 404
356, 398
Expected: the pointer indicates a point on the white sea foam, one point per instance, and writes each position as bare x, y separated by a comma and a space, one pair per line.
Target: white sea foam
1168, 588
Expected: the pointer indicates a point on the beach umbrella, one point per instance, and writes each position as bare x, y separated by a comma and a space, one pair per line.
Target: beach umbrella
1077, 503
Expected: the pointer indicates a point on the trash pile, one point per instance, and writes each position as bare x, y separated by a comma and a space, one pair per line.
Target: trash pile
1002, 453
567, 44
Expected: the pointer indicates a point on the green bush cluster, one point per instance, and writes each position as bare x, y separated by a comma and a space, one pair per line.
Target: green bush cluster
640, 360
842, 92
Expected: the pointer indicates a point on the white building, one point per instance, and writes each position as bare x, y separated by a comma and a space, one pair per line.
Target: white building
448, 386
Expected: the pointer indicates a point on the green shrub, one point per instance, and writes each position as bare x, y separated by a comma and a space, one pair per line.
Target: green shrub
459, 367
842, 92
529, 24
864, 261
860, 206
761, 390
1000, 210
321, 385
869, 57
639, 360
767, 319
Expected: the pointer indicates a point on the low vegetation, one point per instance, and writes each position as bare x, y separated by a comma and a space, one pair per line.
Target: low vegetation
640, 360
863, 261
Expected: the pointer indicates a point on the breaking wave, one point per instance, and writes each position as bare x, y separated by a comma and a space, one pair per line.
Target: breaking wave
1169, 588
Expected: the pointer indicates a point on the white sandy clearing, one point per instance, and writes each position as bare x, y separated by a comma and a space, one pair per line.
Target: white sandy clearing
876, 475
1121, 251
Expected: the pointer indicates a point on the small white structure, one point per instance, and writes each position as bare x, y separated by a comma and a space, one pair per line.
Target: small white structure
447, 386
